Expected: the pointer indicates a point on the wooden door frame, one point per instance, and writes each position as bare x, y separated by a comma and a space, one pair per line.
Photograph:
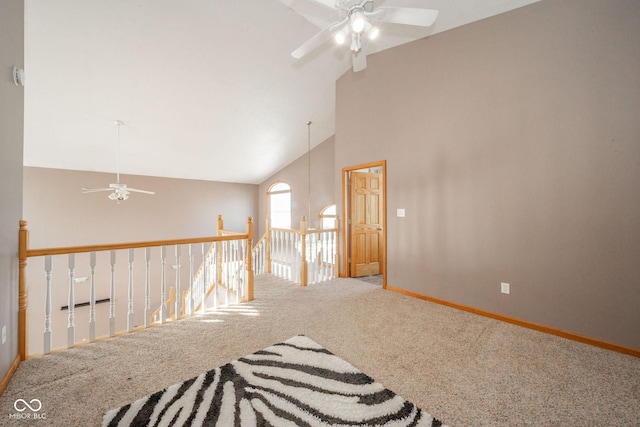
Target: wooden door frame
346, 229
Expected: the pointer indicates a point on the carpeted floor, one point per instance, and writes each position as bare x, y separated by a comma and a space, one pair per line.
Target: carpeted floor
464, 369
294, 382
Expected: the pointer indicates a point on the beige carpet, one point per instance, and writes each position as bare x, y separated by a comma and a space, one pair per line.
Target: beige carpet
464, 369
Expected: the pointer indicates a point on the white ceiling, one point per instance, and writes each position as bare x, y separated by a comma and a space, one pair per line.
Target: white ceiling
207, 89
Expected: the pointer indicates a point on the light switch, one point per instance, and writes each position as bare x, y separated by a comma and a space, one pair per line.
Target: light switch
400, 213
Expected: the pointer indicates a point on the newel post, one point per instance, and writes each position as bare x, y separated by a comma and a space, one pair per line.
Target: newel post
249, 262
220, 226
303, 252
23, 245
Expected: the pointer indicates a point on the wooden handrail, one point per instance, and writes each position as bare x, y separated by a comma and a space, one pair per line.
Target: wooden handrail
133, 245
231, 233
264, 237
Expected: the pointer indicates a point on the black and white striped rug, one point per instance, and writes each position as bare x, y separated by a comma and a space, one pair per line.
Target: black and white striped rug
293, 383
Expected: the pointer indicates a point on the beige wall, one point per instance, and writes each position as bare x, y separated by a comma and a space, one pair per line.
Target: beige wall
59, 214
11, 137
514, 145
296, 174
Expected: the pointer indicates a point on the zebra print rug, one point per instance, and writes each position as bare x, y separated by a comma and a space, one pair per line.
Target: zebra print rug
293, 383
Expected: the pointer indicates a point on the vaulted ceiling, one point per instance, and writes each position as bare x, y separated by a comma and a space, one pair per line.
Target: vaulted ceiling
207, 89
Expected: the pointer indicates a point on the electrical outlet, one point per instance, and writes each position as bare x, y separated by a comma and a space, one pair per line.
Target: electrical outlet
505, 288
4, 334
400, 213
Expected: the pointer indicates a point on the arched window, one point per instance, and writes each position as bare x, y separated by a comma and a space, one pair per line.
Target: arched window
279, 196
327, 217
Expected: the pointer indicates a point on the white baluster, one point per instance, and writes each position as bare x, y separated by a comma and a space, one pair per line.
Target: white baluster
191, 278
319, 256
178, 296
261, 258
298, 254
331, 259
317, 253
112, 296
309, 257
255, 256
272, 250
147, 286
47, 306
163, 284
71, 327
230, 272
326, 254
272, 241
283, 255
324, 259
225, 271
279, 254
296, 257
289, 251
238, 270
214, 273
205, 282
92, 297
243, 291
130, 319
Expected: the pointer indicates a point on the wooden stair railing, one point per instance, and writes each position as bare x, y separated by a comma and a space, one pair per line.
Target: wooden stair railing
175, 304
303, 256
197, 301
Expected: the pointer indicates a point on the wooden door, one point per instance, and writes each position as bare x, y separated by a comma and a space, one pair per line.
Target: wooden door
366, 224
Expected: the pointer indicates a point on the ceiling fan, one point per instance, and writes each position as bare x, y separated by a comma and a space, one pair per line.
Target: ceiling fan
119, 191
355, 23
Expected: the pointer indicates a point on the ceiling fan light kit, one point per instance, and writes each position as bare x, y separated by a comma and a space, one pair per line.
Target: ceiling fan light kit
120, 192
355, 17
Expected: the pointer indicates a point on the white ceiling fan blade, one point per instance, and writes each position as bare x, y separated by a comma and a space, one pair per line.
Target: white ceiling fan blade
406, 15
359, 61
95, 190
135, 190
328, 3
315, 41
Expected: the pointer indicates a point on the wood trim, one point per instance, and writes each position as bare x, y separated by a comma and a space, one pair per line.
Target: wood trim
23, 254
133, 245
12, 369
345, 217
525, 324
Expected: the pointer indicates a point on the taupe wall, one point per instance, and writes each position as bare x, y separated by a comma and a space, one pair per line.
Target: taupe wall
296, 175
59, 214
11, 137
514, 145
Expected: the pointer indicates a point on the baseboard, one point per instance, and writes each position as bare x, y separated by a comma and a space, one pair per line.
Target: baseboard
7, 378
530, 325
